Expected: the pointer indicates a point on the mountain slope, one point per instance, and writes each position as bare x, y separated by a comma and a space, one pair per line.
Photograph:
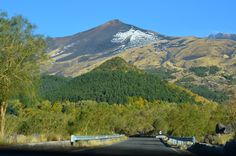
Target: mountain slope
192, 52
116, 85
185, 53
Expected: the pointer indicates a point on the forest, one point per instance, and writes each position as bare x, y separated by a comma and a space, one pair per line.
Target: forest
138, 116
202, 71
113, 82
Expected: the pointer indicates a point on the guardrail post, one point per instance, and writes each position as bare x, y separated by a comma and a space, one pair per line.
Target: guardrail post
72, 140
194, 140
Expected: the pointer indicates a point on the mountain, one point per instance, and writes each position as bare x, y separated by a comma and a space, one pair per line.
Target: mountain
82, 52
76, 54
110, 37
172, 57
115, 85
222, 36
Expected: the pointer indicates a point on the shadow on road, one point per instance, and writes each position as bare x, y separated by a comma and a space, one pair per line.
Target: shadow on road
23, 152
134, 146
203, 150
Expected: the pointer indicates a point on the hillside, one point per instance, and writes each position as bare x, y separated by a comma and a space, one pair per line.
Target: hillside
192, 53
114, 82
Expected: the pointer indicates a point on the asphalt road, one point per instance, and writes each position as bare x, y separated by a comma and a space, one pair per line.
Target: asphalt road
130, 147
135, 147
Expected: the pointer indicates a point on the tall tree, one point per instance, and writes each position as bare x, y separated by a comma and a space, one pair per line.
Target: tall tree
21, 53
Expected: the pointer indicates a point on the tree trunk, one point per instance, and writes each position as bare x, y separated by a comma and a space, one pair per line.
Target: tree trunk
3, 108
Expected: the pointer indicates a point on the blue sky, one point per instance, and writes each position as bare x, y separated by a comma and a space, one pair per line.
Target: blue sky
170, 17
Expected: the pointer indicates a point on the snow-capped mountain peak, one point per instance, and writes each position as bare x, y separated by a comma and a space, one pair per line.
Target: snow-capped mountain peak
109, 38
134, 36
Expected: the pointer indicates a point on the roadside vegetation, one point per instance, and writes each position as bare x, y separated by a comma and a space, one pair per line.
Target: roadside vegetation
138, 116
21, 53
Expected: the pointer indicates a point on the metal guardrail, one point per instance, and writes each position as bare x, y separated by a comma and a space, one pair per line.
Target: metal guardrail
161, 136
178, 141
75, 138
182, 141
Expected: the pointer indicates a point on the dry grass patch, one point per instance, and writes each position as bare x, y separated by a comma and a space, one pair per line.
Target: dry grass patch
92, 143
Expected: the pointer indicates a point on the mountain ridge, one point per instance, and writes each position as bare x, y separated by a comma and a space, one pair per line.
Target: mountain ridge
116, 63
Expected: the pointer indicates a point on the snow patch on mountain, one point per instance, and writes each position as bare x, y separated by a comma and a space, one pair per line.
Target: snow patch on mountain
134, 37
56, 52
68, 46
62, 50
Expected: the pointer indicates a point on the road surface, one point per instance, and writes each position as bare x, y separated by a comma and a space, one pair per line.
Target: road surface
135, 147
130, 147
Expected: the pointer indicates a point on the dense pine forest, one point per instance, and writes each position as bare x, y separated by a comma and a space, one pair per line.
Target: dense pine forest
114, 82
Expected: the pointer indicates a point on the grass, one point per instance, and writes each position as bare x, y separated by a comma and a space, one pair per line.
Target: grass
31, 142
93, 143
23, 139
223, 138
